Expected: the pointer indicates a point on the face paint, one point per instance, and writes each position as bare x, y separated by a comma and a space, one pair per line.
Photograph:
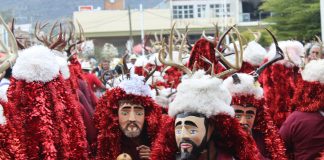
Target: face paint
246, 117
131, 119
191, 137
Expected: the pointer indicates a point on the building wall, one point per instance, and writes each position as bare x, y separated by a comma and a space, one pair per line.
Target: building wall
114, 4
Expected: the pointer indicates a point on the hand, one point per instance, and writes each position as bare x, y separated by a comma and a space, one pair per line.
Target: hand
144, 152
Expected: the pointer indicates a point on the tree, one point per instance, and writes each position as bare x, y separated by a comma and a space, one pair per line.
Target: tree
294, 19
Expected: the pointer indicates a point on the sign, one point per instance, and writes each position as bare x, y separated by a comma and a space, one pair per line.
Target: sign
86, 8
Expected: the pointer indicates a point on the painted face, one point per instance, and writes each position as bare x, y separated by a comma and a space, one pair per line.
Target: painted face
131, 119
246, 116
190, 132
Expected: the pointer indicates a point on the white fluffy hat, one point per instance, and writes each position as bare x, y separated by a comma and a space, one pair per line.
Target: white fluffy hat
36, 64
293, 50
202, 94
135, 85
314, 71
247, 86
2, 117
254, 53
61, 58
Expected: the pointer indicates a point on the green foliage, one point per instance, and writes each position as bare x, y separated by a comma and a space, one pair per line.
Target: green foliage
294, 19
265, 39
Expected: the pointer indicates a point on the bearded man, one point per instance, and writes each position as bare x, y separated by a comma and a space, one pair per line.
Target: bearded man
128, 120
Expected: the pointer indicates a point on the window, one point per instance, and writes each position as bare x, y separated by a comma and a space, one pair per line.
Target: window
201, 11
218, 10
184, 11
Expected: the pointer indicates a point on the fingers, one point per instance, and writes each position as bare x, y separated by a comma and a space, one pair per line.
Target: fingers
144, 152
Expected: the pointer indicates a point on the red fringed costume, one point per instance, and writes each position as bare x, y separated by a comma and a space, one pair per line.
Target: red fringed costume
46, 118
279, 83
265, 133
48, 121
229, 136
303, 129
204, 48
10, 146
110, 136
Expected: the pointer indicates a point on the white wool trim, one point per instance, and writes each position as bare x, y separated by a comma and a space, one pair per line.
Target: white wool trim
3, 93
294, 49
155, 78
154, 57
135, 85
36, 64
314, 71
254, 53
141, 61
202, 94
2, 117
247, 86
64, 67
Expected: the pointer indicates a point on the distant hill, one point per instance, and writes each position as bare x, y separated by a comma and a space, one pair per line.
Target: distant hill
30, 11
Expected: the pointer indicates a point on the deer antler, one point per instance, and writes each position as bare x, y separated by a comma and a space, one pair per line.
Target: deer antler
171, 61
257, 35
231, 68
279, 55
11, 52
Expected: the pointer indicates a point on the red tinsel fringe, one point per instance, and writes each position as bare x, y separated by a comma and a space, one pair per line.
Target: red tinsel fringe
206, 49
264, 124
47, 120
106, 121
228, 135
173, 77
278, 84
309, 96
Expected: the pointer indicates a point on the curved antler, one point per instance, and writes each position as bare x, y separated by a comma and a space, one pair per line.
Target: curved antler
231, 68
279, 55
12, 52
171, 61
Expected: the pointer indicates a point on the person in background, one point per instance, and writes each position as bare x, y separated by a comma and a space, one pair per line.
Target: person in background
92, 80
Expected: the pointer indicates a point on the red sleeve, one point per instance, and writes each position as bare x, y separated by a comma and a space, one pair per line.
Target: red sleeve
97, 82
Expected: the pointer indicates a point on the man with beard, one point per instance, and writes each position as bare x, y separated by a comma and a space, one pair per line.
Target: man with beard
127, 120
251, 112
202, 125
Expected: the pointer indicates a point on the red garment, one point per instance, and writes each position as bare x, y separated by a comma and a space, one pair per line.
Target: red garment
303, 134
106, 120
228, 136
88, 93
93, 81
47, 120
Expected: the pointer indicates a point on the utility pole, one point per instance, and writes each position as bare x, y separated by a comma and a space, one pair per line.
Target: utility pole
142, 29
322, 18
130, 41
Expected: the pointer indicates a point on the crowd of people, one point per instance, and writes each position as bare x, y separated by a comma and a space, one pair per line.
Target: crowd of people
206, 101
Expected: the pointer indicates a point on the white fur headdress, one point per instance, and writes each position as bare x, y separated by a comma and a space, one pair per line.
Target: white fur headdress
61, 58
135, 85
247, 86
254, 53
293, 50
36, 64
202, 94
314, 71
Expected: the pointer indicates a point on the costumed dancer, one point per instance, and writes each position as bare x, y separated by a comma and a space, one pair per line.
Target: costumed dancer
280, 79
127, 119
303, 130
201, 123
